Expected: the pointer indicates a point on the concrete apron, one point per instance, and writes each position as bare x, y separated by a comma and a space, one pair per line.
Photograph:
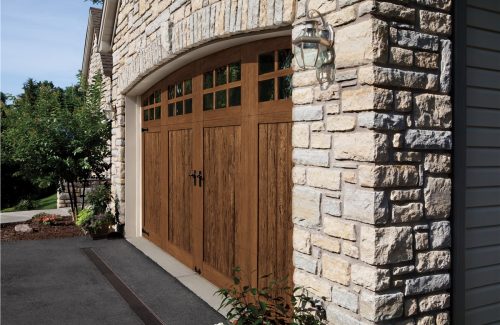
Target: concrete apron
189, 278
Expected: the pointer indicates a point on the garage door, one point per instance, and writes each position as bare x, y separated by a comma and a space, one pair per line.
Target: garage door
217, 163
482, 180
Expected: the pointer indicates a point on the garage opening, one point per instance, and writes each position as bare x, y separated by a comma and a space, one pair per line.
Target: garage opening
217, 163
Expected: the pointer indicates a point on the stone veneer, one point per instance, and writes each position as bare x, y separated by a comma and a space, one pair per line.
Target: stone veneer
372, 194
372, 186
63, 200
147, 35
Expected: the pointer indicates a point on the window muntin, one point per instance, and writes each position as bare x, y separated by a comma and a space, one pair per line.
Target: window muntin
151, 106
275, 75
180, 98
222, 87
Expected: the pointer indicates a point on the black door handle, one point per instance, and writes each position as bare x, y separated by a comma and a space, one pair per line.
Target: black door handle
144, 129
200, 178
193, 175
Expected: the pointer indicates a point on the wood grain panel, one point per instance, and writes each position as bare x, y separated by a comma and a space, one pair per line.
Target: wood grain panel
180, 189
274, 213
151, 199
221, 151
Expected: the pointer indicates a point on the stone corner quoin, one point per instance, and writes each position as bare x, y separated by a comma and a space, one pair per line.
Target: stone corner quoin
374, 236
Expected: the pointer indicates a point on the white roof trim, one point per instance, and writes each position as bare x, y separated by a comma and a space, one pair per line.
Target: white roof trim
89, 40
107, 26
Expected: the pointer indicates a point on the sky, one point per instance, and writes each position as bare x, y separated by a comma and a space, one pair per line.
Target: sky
41, 39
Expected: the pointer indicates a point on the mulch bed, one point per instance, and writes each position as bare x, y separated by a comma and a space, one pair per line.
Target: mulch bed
44, 227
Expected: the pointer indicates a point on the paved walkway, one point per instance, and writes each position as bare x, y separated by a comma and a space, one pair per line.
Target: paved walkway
55, 282
19, 216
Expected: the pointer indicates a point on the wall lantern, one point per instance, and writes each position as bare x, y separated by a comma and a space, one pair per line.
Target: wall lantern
109, 110
312, 48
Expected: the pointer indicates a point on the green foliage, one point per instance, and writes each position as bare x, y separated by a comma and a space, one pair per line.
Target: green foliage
117, 210
15, 187
99, 198
93, 223
49, 202
25, 204
271, 305
84, 217
58, 136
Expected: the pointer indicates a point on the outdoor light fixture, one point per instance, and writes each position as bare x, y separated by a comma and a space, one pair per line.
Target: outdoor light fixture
109, 110
313, 47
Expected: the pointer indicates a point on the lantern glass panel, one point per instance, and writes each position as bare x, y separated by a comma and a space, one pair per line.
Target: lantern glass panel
310, 53
297, 54
322, 56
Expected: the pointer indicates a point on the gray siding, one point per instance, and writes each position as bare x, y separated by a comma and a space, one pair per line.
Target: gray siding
482, 174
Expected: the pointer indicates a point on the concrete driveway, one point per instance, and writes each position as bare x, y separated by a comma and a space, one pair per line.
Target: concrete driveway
55, 282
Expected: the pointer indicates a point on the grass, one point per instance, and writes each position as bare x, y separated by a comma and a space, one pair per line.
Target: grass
49, 202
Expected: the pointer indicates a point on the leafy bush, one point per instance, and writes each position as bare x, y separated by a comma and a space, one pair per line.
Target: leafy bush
93, 223
25, 204
84, 217
99, 198
275, 304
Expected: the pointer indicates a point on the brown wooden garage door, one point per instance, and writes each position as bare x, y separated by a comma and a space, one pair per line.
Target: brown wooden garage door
217, 163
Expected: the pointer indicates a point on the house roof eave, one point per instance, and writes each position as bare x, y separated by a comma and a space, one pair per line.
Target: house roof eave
89, 39
106, 32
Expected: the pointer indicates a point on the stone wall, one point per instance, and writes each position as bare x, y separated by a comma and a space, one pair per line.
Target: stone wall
150, 33
372, 193
63, 195
96, 66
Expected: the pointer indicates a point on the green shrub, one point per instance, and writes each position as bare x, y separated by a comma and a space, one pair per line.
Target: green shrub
25, 204
99, 198
94, 223
272, 305
83, 218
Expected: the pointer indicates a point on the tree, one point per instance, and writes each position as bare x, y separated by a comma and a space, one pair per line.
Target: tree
14, 186
60, 136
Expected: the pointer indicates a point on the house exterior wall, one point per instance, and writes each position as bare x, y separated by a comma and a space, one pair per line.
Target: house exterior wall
477, 163
372, 188
96, 66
